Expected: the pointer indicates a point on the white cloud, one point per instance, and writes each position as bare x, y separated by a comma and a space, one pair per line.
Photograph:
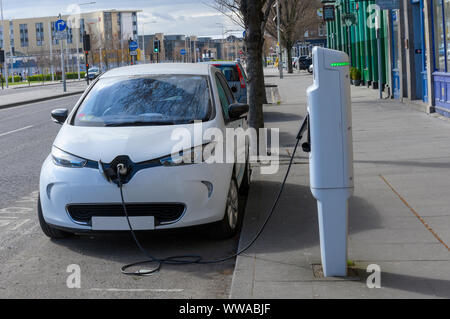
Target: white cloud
190, 17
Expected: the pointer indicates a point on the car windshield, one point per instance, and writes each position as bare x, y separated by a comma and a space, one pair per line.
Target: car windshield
93, 70
149, 100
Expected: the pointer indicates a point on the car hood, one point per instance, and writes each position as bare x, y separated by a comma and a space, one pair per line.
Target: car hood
140, 143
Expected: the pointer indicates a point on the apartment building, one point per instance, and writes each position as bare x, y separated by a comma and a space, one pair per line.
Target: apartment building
34, 36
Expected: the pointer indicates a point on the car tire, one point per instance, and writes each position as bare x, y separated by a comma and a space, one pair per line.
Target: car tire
245, 185
231, 223
48, 230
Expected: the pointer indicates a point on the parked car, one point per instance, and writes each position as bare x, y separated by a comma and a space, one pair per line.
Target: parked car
93, 73
303, 62
236, 78
126, 120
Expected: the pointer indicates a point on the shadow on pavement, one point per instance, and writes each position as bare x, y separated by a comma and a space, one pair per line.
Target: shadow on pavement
273, 116
120, 247
294, 224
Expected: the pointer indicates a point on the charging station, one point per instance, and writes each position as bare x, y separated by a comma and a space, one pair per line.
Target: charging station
331, 154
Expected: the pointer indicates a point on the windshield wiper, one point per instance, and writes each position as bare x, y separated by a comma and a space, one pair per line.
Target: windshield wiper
140, 123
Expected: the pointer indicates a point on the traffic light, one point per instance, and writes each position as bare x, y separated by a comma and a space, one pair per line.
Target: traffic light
156, 46
2, 56
86, 42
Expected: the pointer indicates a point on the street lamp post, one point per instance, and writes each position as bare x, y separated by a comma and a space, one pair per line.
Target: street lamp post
223, 42
5, 64
234, 42
78, 27
143, 37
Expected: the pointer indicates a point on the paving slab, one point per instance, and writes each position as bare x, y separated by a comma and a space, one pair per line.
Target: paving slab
400, 207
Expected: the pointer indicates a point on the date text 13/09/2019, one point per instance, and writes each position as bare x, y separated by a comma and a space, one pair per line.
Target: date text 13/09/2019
258, 309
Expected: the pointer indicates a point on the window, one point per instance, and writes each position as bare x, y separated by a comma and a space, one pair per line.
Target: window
81, 30
23, 35
149, 100
69, 35
229, 71
447, 30
441, 12
1, 36
225, 95
321, 29
39, 34
54, 40
11, 34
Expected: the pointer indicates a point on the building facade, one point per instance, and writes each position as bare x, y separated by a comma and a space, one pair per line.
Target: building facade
415, 50
354, 31
181, 48
110, 31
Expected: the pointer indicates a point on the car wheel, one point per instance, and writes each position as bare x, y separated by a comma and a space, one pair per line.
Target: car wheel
48, 230
232, 220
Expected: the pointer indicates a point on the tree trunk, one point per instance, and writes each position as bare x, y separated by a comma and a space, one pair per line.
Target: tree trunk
256, 88
289, 57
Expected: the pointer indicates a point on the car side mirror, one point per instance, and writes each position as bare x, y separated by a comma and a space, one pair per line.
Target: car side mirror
233, 89
60, 115
237, 110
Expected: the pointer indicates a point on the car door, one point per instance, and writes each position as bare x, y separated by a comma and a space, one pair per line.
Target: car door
226, 99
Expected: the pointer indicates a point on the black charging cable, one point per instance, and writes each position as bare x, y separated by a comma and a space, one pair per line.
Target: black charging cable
195, 259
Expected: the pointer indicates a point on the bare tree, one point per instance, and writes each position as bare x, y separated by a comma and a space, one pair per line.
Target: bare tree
296, 17
252, 15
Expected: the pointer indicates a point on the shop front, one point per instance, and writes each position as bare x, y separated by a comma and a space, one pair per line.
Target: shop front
441, 55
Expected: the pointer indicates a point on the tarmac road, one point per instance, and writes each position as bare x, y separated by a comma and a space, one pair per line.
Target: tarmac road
32, 266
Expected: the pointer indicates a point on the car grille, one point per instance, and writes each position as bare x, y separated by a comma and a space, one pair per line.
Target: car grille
163, 213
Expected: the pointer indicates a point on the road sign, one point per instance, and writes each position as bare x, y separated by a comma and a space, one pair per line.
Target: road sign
133, 53
60, 25
182, 51
61, 35
349, 19
388, 4
133, 45
328, 13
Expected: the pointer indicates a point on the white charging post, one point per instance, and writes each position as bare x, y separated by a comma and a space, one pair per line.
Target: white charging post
331, 156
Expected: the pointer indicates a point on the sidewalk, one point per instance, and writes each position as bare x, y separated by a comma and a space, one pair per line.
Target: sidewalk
24, 95
402, 180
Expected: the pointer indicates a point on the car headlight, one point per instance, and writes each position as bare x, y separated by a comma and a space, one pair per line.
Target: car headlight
64, 159
195, 155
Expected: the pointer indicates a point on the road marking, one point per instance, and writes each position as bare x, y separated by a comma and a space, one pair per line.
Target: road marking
18, 130
16, 210
415, 213
136, 290
20, 224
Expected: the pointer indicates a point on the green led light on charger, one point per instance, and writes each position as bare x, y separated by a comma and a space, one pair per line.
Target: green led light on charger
340, 64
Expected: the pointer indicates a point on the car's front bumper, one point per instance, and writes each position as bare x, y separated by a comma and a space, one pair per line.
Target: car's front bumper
60, 187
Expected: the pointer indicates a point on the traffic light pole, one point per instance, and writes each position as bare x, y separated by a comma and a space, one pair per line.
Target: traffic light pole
63, 73
5, 65
87, 66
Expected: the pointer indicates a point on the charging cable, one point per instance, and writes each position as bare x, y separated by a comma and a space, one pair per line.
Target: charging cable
195, 259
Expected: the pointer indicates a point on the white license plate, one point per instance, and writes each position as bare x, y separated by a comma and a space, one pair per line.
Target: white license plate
120, 223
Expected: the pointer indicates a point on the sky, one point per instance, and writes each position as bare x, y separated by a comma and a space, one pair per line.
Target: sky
189, 17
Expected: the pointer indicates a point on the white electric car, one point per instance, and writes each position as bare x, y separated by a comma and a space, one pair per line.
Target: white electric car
134, 118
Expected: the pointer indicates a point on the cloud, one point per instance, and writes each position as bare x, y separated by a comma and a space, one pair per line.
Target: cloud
190, 17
